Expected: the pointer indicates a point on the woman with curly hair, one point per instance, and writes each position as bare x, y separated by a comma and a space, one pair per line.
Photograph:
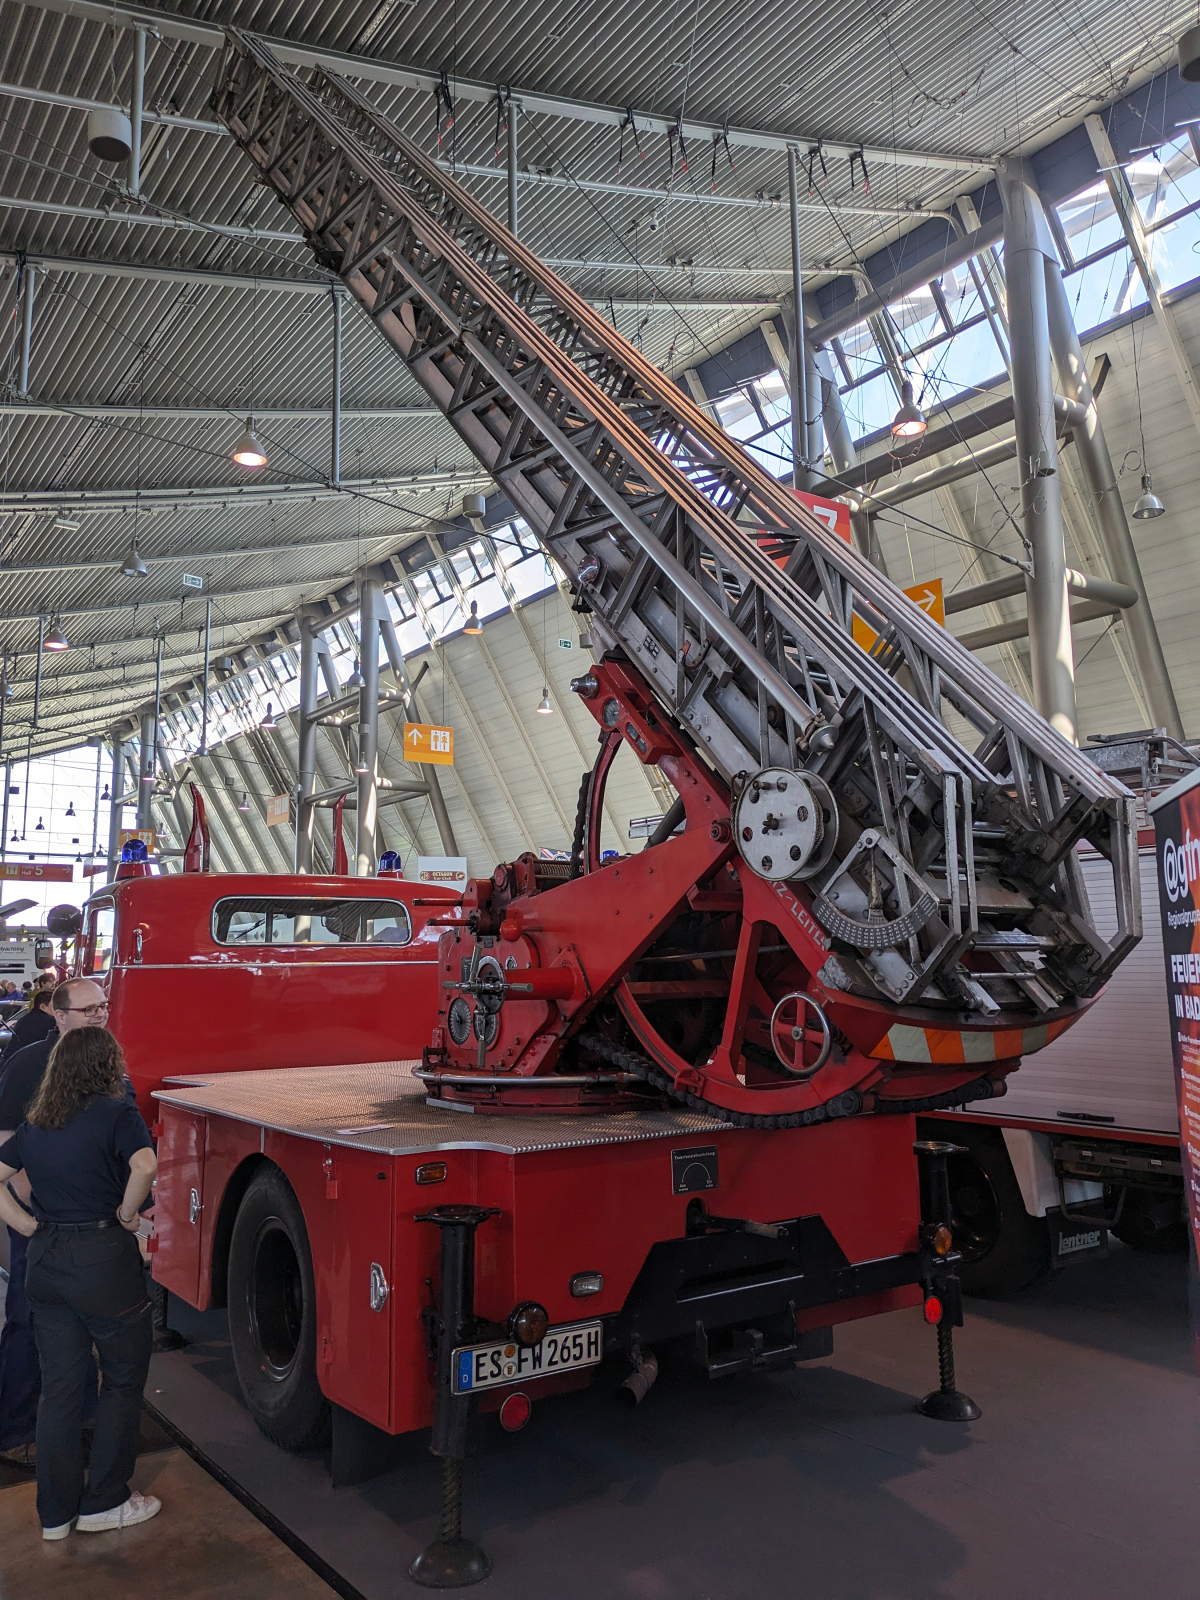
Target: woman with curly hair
88, 1156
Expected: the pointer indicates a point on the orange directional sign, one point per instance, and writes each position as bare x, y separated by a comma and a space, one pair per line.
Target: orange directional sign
425, 741
927, 595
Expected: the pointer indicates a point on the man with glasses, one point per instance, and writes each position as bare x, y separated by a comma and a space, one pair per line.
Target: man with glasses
78, 1003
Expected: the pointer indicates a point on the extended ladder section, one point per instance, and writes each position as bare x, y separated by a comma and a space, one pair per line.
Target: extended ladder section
944, 873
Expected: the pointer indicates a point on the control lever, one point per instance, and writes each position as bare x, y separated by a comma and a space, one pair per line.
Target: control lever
701, 1221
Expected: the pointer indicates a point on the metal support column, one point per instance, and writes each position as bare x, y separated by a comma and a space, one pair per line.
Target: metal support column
135, 111
1105, 499
437, 802
815, 449
28, 289
115, 809
843, 456
801, 476
146, 765
513, 208
307, 747
370, 602
207, 658
1027, 247
37, 675
335, 441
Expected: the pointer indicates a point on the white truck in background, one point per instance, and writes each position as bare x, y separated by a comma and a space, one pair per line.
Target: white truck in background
1086, 1141
21, 960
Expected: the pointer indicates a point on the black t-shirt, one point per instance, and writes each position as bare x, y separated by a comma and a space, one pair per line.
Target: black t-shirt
19, 1079
79, 1172
28, 1028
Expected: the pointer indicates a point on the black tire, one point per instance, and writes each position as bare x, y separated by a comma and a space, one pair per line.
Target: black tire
1150, 1221
1003, 1248
273, 1315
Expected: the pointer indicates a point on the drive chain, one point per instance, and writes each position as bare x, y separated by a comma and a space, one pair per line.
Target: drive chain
849, 1103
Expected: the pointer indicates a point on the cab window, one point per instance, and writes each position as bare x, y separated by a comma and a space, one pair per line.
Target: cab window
102, 936
288, 919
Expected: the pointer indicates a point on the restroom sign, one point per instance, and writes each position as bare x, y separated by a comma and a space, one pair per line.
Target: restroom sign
426, 742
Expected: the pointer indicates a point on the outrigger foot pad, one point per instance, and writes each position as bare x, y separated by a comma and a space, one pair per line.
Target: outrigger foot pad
952, 1407
450, 1564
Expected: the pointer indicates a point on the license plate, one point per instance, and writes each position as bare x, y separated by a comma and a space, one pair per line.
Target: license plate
488, 1366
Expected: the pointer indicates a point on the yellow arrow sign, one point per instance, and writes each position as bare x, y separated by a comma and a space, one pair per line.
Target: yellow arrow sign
927, 595
426, 742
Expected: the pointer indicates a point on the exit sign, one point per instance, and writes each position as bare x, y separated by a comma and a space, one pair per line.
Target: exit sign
191, 581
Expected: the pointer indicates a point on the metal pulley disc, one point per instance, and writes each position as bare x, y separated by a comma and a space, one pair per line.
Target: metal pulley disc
782, 822
489, 985
490, 1020
458, 1020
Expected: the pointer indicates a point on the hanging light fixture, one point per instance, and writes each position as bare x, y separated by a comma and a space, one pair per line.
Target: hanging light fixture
268, 722
909, 421
473, 624
70, 812
248, 451
544, 706
106, 795
41, 827
16, 838
148, 775
243, 803
6, 688
1149, 505
132, 565
56, 639
355, 680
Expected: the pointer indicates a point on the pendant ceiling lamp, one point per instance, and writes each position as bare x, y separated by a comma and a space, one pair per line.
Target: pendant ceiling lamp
132, 565
909, 421
248, 451
1149, 505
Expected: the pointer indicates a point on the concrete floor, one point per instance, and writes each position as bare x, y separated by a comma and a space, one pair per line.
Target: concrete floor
1079, 1482
202, 1545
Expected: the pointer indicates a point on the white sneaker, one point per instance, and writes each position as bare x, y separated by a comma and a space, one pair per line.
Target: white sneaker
60, 1532
138, 1508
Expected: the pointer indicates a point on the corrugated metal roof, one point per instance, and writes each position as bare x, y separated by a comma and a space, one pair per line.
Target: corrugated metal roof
938, 76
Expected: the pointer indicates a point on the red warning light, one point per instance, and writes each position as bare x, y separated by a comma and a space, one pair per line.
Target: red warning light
933, 1310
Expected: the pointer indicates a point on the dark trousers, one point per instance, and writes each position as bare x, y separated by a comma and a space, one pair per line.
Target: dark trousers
20, 1376
87, 1288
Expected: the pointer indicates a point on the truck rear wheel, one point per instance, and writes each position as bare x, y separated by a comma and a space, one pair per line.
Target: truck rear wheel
272, 1315
1003, 1248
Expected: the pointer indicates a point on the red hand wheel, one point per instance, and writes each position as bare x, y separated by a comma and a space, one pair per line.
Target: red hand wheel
802, 1046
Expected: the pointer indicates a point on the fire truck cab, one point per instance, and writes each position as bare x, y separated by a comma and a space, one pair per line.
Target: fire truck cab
223, 972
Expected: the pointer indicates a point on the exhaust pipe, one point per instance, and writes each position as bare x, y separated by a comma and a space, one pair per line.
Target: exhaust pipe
640, 1381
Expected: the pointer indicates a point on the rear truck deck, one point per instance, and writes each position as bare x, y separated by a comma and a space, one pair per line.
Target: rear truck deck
296, 1198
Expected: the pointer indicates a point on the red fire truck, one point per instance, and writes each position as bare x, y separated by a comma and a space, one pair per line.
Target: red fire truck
666, 1101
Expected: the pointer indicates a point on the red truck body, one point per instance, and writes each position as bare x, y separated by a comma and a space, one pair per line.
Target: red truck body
594, 1201
272, 1029
185, 999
